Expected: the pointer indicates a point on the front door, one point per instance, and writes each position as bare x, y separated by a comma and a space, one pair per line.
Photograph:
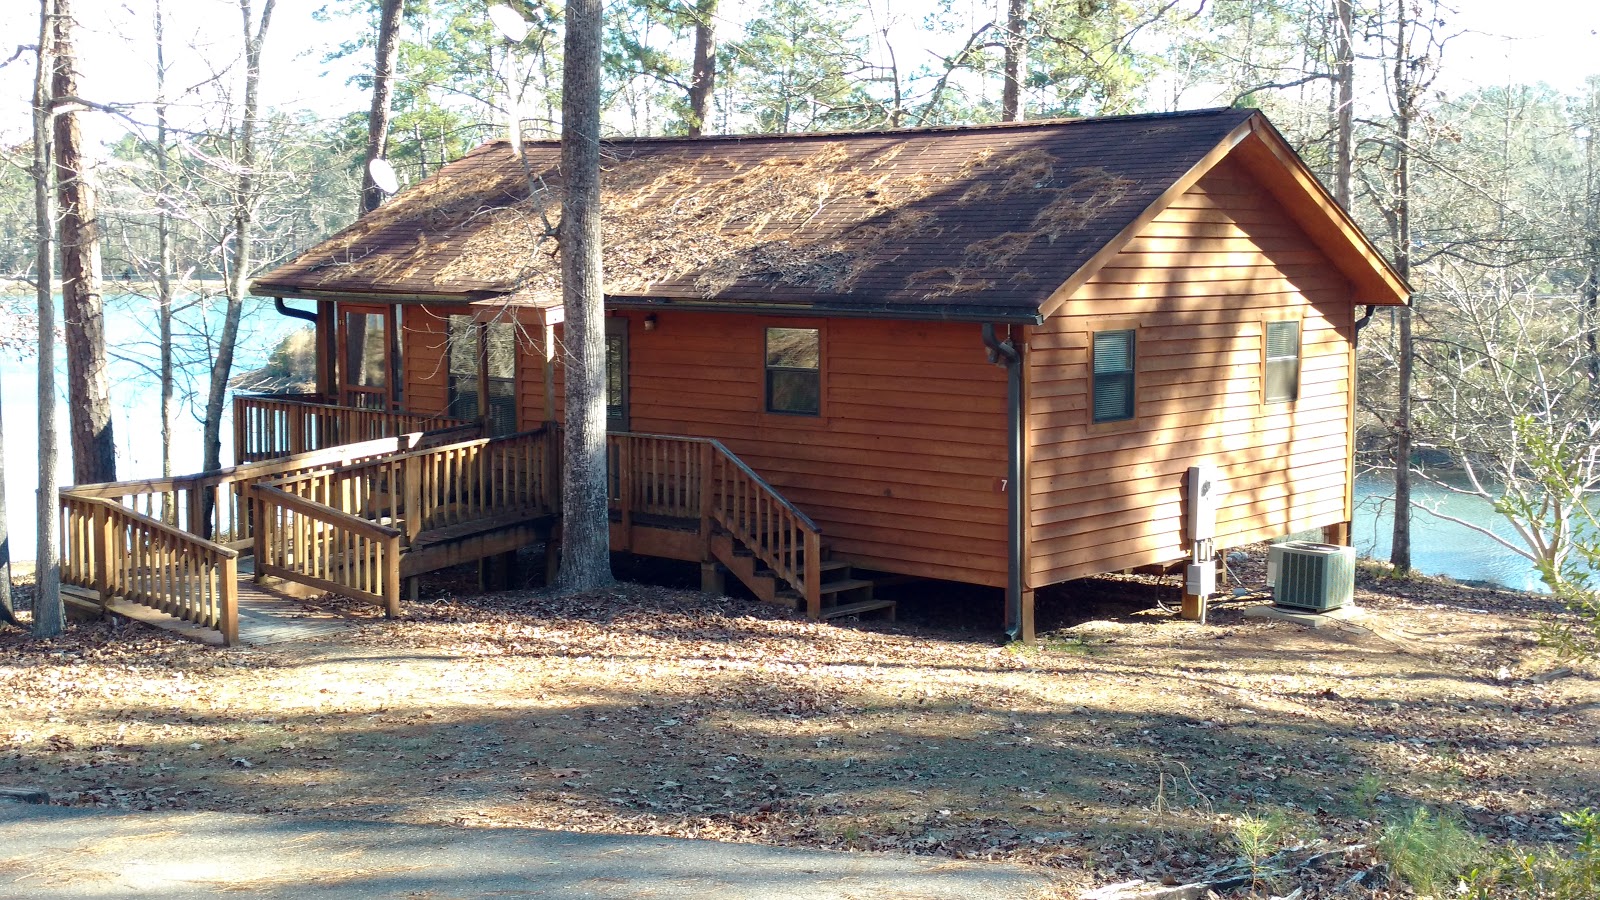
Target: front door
366, 364
616, 374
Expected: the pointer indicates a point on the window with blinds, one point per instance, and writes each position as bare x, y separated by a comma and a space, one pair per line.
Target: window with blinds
1283, 362
1113, 375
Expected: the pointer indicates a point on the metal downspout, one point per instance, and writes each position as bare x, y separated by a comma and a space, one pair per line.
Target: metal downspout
286, 310
1005, 354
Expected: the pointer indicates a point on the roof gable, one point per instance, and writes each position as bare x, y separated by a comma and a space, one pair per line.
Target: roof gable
986, 222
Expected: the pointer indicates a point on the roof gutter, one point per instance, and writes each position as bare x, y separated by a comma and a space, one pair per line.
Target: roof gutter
909, 312
286, 310
1004, 353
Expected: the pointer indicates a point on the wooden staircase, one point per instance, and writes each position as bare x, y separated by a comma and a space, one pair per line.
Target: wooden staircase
841, 592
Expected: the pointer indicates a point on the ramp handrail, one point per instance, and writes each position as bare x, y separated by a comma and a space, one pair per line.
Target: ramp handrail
121, 553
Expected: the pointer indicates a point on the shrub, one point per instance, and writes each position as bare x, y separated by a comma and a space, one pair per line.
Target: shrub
1432, 853
1547, 873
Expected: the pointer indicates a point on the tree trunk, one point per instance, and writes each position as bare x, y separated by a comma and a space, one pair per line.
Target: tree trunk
94, 453
702, 82
1011, 95
1590, 313
7, 611
1345, 77
49, 617
239, 263
1405, 112
586, 528
164, 263
390, 15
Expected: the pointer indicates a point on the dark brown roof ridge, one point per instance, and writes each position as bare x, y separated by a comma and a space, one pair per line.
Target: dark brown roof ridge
800, 136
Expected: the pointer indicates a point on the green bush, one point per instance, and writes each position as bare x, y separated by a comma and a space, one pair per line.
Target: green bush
1431, 853
1547, 873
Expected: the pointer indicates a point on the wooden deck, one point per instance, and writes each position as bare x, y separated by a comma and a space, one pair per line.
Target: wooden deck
265, 617
363, 521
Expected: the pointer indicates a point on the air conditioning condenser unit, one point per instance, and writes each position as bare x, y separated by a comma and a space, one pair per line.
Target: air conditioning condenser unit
1313, 576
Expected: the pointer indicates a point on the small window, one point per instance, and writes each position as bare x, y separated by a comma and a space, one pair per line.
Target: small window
794, 371
1283, 361
1113, 375
616, 379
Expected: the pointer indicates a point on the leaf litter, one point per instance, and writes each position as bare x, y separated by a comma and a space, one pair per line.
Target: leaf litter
1123, 747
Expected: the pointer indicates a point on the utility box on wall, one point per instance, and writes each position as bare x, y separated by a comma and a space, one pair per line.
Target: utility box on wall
1204, 491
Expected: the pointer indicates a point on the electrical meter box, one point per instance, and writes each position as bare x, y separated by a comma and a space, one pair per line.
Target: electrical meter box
1204, 490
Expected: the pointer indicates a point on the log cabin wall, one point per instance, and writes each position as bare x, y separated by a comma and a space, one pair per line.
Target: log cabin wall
902, 470
1198, 284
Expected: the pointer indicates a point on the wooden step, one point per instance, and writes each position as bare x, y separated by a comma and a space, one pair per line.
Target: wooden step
856, 609
826, 567
844, 584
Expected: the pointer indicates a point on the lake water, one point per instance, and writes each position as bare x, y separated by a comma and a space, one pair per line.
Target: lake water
1438, 547
135, 401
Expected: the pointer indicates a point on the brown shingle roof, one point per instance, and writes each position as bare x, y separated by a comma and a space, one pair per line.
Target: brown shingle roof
981, 221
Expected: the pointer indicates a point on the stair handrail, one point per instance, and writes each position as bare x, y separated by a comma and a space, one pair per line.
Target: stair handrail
750, 473
800, 566
122, 553
334, 556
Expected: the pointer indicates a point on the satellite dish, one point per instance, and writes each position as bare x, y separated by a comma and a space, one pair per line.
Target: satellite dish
383, 176
512, 26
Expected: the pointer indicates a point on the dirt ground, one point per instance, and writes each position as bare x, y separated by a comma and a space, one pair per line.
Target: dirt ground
1123, 746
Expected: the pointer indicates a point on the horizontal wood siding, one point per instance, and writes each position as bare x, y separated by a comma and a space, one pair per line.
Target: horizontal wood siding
901, 471
424, 336
1198, 283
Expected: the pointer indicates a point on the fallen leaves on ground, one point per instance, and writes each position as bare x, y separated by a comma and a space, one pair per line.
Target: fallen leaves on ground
1124, 747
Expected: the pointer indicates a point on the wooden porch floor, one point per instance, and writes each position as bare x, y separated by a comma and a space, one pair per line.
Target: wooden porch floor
265, 617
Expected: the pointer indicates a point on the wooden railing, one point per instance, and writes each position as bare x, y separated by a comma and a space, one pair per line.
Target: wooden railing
269, 426
312, 543
699, 478
334, 527
124, 554
216, 505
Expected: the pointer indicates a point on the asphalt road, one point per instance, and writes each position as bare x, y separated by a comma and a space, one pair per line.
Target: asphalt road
50, 852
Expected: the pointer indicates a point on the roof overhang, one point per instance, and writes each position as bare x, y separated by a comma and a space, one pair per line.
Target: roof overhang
1258, 146
550, 312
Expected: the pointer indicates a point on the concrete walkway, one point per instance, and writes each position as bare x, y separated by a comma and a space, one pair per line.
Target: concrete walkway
49, 852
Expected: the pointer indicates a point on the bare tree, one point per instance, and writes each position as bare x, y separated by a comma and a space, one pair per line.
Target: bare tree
164, 258
585, 531
1015, 49
49, 616
94, 452
246, 194
703, 76
1344, 111
390, 15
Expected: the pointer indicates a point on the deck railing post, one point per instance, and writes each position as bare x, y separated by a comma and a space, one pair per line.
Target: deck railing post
705, 500
262, 530
101, 552
411, 508
813, 576
625, 489
241, 445
297, 431
391, 576
228, 615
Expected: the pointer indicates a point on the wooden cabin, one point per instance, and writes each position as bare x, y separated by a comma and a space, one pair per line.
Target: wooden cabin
983, 354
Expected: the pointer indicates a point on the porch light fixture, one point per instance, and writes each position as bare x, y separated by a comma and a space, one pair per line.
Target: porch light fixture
650, 322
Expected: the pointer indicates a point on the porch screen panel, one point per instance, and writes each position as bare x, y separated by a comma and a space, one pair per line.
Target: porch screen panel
461, 383
364, 346
501, 376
